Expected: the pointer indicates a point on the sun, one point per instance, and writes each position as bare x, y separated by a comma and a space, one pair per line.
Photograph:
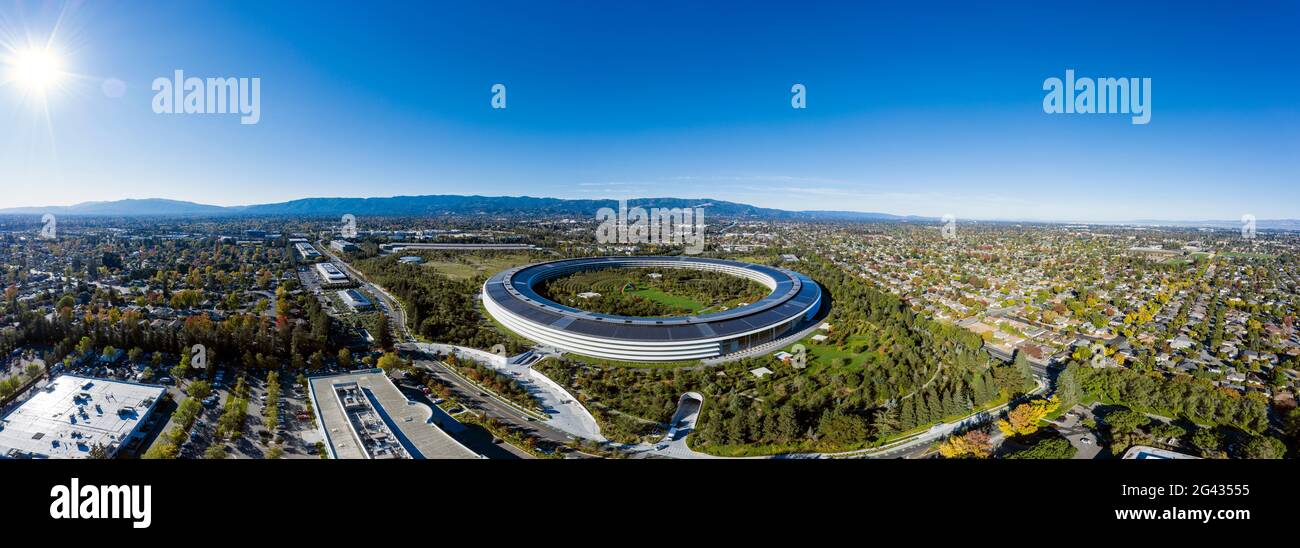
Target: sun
38, 70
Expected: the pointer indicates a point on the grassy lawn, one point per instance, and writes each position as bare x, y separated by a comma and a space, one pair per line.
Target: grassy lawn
821, 355
676, 301
470, 266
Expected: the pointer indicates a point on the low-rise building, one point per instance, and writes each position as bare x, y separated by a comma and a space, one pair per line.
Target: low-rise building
355, 300
331, 275
343, 246
71, 415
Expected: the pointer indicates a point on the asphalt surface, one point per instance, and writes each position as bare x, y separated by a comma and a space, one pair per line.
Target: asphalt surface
475, 437
480, 401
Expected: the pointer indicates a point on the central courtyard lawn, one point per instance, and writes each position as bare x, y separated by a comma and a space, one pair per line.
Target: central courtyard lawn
675, 301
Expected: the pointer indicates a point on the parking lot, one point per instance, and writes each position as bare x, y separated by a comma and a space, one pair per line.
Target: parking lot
296, 434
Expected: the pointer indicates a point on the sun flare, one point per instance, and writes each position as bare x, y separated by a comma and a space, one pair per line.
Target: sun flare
37, 70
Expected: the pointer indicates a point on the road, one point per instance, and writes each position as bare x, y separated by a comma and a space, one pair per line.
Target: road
489, 406
476, 438
387, 302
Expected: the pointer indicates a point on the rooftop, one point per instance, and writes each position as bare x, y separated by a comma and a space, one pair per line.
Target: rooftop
71, 414
371, 398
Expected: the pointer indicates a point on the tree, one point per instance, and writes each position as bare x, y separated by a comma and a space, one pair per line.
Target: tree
1123, 425
345, 358
1264, 447
199, 389
390, 362
215, 451
840, 428
787, 424
1022, 365
906, 416
974, 444
886, 422
275, 452
1023, 420
1207, 441
383, 335
1125, 421
85, 346
1067, 385
163, 449
1291, 424
1050, 448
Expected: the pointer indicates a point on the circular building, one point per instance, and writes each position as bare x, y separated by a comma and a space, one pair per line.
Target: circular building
510, 298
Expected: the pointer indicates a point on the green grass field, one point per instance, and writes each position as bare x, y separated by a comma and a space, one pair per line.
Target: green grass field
676, 301
470, 266
821, 355
679, 292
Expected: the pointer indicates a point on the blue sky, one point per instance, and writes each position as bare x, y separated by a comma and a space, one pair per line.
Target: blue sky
919, 108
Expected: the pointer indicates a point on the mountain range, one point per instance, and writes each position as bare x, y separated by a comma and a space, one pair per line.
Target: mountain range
446, 204
430, 205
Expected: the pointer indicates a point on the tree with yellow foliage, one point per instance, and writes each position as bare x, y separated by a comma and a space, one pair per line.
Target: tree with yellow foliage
975, 444
1023, 420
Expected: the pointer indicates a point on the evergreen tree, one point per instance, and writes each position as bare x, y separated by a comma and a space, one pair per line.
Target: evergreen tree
886, 422
921, 410
933, 406
951, 407
787, 424
1067, 385
906, 415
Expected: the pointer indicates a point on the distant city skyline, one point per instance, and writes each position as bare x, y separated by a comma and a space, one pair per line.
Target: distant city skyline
907, 113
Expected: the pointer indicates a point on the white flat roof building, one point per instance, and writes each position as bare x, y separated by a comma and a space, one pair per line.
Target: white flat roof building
72, 414
330, 274
1142, 452
363, 415
343, 246
306, 251
355, 300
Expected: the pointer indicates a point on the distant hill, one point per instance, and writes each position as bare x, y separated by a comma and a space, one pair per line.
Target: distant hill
446, 204
430, 205
125, 208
